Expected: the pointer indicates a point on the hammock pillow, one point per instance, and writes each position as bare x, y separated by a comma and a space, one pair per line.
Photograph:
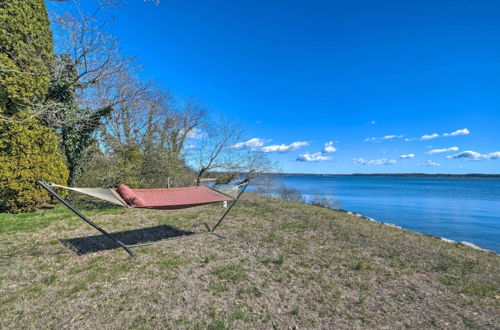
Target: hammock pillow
127, 194
139, 202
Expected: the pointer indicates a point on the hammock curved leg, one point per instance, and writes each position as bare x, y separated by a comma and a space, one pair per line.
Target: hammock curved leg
84, 218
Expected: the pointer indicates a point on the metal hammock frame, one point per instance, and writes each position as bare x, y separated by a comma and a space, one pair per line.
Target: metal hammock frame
127, 247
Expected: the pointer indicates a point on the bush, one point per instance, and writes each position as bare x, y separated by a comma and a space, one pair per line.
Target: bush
290, 194
104, 170
28, 152
324, 201
136, 169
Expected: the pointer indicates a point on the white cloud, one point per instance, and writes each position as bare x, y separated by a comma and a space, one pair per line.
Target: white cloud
282, 148
463, 131
407, 156
189, 146
430, 163
387, 137
429, 136
438, 151
494, 155
316, 157
249, 144
472, 155
329, 147
381, 161
257, 144
373, 122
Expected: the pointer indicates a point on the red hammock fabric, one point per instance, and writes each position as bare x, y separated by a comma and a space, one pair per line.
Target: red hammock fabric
173, 198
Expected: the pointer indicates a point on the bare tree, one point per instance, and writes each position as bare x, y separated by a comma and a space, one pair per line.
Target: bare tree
256, 165
216, 153
133, 104
181, 119
214, 150
93, 54
147, 131
145, 113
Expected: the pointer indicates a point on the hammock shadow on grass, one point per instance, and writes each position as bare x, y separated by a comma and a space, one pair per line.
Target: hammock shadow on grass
96, 243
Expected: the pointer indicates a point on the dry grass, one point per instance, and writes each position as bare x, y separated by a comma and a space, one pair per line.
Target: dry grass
282, 265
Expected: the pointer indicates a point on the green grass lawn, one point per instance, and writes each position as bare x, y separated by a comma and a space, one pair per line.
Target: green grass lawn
281, 265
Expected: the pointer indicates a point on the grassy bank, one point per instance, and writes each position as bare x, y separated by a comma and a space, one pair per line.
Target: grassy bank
282, 265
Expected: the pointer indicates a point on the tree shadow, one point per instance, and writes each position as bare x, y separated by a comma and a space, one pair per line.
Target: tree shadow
96, 243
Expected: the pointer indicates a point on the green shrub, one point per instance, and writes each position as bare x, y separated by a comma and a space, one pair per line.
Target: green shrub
135, 168
28, 152
109, 170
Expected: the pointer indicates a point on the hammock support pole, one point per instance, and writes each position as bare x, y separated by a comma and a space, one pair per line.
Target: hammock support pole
84, 218
245, 184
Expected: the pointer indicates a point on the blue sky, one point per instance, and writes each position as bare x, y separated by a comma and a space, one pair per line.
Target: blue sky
342, 71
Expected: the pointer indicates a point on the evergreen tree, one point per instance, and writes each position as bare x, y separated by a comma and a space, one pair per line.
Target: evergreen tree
29, 151
26, 54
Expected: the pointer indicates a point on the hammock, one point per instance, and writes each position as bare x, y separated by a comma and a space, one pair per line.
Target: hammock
160, 199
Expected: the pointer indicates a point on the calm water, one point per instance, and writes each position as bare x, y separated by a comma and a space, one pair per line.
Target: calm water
461, 209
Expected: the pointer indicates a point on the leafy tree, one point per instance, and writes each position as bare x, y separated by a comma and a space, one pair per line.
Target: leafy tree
26, 54
28, 152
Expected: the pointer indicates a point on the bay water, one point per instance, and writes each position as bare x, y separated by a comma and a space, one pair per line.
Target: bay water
456, 208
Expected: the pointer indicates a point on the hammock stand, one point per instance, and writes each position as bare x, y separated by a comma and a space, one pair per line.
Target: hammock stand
188, 194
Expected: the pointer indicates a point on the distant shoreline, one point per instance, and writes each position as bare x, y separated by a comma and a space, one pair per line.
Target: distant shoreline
470, 175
